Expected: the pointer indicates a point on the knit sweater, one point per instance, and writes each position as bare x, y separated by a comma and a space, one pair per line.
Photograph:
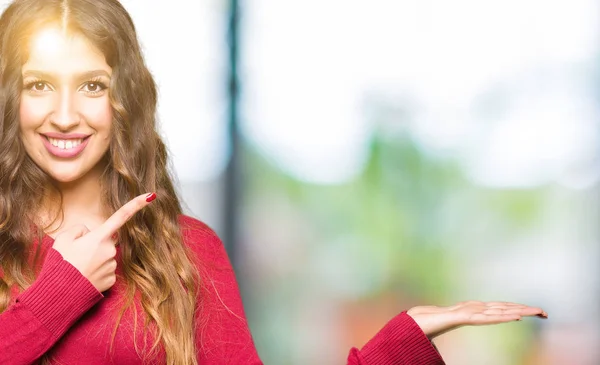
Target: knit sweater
63, 316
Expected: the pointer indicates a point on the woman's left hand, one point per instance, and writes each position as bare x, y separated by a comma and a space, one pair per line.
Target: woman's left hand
435, 321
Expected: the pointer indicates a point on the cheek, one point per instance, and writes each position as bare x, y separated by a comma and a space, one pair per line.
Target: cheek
33, 111
98, 114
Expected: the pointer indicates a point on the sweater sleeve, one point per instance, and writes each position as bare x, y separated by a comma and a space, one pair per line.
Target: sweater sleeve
222, 333
43, 313
401, 341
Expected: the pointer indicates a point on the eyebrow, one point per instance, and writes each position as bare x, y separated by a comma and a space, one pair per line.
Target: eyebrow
79, 76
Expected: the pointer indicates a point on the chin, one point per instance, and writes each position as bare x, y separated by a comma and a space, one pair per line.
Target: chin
62, 175
64, 178
73, 172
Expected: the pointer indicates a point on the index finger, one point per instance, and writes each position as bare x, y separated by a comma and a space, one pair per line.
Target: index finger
121, 216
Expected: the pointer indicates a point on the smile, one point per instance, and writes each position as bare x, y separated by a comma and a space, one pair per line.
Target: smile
64, 147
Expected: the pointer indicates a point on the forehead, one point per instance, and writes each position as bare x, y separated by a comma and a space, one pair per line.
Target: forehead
55, 51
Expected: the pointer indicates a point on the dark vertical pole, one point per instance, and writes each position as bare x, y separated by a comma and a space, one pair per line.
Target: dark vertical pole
233, 174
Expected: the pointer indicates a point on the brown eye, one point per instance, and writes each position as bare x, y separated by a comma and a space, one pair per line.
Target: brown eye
37, 87
93, 87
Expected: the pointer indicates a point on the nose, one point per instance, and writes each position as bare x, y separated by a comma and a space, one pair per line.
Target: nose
65, 116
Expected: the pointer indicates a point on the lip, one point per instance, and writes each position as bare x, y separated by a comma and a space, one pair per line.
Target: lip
57, 135
59, 152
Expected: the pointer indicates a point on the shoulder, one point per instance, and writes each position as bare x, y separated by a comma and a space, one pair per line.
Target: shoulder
192, 228
202, 241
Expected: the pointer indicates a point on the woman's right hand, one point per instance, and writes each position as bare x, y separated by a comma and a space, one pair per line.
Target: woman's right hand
93, 252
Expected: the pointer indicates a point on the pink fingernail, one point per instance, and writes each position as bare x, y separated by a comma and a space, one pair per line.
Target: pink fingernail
150, 197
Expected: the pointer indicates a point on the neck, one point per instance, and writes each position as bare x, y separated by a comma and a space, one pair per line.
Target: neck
81, 203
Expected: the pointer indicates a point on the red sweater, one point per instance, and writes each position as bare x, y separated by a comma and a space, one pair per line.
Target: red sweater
64, 316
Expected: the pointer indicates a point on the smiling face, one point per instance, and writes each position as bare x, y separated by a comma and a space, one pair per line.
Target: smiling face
65, 112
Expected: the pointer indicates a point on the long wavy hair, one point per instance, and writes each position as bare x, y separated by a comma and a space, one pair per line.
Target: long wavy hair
158, 266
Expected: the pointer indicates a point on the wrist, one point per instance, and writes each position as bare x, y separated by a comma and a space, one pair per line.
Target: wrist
432, 321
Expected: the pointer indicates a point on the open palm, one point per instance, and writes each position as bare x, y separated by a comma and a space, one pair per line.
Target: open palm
435, 321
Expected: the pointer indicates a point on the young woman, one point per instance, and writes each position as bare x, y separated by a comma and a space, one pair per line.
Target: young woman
97, 263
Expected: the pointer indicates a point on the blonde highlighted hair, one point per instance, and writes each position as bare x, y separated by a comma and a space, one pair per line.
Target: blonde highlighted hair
155, 262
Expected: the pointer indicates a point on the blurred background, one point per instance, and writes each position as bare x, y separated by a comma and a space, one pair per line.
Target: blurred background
362, 157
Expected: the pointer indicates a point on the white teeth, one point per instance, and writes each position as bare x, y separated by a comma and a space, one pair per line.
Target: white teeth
65, 144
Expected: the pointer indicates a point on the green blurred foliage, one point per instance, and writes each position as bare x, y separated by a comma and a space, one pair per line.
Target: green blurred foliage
400, 227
